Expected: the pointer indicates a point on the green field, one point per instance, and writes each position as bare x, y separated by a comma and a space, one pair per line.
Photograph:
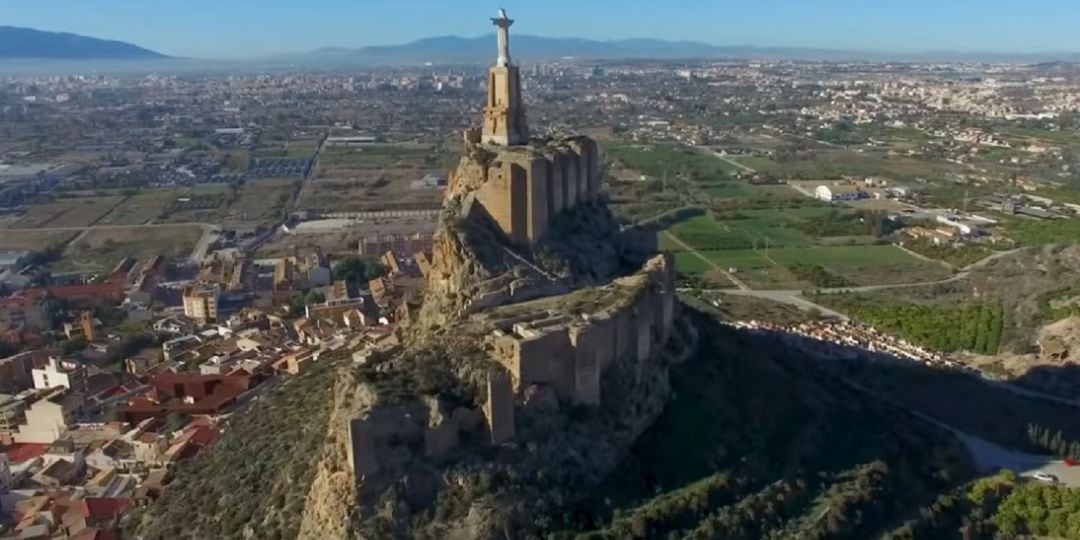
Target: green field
836, 163
661, 160
860, 265
705, 233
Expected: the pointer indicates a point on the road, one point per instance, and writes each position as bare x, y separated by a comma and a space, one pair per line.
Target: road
309, 177
728, 160
209, 236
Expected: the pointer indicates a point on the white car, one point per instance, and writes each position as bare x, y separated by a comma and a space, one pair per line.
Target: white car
1045, 477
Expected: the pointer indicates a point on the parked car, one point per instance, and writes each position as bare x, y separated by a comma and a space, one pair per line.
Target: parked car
1045, 477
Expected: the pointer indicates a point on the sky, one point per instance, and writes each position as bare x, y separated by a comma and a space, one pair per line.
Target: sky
254, 28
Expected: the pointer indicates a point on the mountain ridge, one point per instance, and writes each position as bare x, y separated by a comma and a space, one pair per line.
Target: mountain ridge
17, 43
457, 49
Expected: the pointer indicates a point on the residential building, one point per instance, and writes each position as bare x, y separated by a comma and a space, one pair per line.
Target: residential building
49, 417
201, 302
840, 193
56, 373
26, 310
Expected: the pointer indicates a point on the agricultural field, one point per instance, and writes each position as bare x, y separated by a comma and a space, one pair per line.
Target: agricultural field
34, 240
141, 208
261, 201
293, 149
754, 229
200, 204
377, 177
836, 163
67, 212
965, 327
99, 250
858, 265
670, 160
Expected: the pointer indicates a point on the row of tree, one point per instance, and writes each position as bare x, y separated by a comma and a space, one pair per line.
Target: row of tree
1053, 441
859, 223
977, 328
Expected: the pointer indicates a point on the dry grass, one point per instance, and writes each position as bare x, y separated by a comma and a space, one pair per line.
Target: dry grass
98, 250
34, 240
73, 212
261, 201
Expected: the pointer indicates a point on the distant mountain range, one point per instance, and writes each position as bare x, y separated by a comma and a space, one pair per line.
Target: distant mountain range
453, 49
30, 44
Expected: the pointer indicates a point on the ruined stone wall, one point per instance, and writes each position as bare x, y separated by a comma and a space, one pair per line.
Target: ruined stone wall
499, 409
495, 195
539, 184
543, 359
584, 151
573, 358
557, 189
523, 188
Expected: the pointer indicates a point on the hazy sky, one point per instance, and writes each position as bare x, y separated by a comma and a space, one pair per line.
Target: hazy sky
245, 28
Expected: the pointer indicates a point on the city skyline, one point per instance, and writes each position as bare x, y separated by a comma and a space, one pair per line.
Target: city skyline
247, 29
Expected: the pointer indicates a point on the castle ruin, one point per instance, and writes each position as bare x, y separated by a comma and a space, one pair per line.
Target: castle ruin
553, 318
522, 183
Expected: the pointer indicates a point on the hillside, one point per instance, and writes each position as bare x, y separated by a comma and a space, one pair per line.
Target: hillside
729, 459
30, 44
725, 456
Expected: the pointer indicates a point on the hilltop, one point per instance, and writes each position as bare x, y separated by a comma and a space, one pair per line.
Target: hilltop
29, 44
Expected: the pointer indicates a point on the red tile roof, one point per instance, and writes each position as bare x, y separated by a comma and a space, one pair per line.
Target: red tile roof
23, 452
89, 291
99, 509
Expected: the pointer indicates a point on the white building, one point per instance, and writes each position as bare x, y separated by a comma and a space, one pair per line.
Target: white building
48, 418
839, 193
58, 373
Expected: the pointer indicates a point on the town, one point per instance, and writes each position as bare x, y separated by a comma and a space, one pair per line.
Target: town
176, 247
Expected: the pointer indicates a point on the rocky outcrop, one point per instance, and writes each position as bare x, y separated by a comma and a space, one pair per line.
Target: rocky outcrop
332, 497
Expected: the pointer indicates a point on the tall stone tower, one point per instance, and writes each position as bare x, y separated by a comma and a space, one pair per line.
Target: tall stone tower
504, 115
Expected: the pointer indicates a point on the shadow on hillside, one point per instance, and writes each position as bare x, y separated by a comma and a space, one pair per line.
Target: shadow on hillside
959, 398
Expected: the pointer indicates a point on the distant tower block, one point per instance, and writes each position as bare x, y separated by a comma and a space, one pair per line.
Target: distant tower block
504, 116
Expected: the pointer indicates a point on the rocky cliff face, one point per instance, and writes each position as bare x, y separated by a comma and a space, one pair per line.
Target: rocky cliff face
475, 265
331, 500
